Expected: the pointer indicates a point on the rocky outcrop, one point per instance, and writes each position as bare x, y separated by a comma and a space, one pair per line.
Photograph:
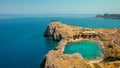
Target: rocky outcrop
108, 38
61, 45
111, 16
56, 59
52, 32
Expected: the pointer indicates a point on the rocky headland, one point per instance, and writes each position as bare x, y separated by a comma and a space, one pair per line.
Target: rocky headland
110, 16
64, 34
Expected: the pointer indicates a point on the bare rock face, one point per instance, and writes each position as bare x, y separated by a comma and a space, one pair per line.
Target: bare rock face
52, 32
108, 38
56, 59
58, 31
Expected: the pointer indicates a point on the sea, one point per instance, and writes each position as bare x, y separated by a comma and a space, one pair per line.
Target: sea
22, 44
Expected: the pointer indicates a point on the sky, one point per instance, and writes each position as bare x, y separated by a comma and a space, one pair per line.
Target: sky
59, 6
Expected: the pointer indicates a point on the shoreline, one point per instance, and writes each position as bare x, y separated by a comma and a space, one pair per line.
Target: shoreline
97, 59
70, 34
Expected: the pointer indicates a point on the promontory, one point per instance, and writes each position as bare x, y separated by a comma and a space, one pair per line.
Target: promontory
65, 34
109, 16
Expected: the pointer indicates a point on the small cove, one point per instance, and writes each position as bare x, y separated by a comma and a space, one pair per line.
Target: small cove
89, 50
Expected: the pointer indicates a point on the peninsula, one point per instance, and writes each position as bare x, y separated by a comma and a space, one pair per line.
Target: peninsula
65, 34
109, 16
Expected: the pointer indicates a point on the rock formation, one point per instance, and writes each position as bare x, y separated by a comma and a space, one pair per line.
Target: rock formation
111, 16
108, 38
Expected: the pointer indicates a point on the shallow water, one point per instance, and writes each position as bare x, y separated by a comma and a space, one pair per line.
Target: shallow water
88, 49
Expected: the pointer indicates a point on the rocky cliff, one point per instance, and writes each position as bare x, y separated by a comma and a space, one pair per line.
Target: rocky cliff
108, 38
111, 16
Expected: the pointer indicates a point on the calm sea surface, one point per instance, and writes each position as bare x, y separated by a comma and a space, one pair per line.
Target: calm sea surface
22, 44
89, 50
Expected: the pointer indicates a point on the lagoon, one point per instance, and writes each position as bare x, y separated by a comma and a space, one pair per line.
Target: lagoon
89, 50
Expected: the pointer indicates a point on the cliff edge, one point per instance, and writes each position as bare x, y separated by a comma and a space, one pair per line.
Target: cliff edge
108, 38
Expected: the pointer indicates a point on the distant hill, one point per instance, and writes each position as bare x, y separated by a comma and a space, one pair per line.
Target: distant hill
111, 16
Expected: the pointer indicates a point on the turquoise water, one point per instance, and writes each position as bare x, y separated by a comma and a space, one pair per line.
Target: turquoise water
88, 49
22, 44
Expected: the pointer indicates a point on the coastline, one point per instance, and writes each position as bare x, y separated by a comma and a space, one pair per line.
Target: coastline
97, 59
70, 34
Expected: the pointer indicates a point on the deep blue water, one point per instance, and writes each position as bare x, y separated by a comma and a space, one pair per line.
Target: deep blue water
88, 49
22, 44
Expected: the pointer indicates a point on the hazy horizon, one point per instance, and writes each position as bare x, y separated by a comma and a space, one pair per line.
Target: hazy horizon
59, 7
